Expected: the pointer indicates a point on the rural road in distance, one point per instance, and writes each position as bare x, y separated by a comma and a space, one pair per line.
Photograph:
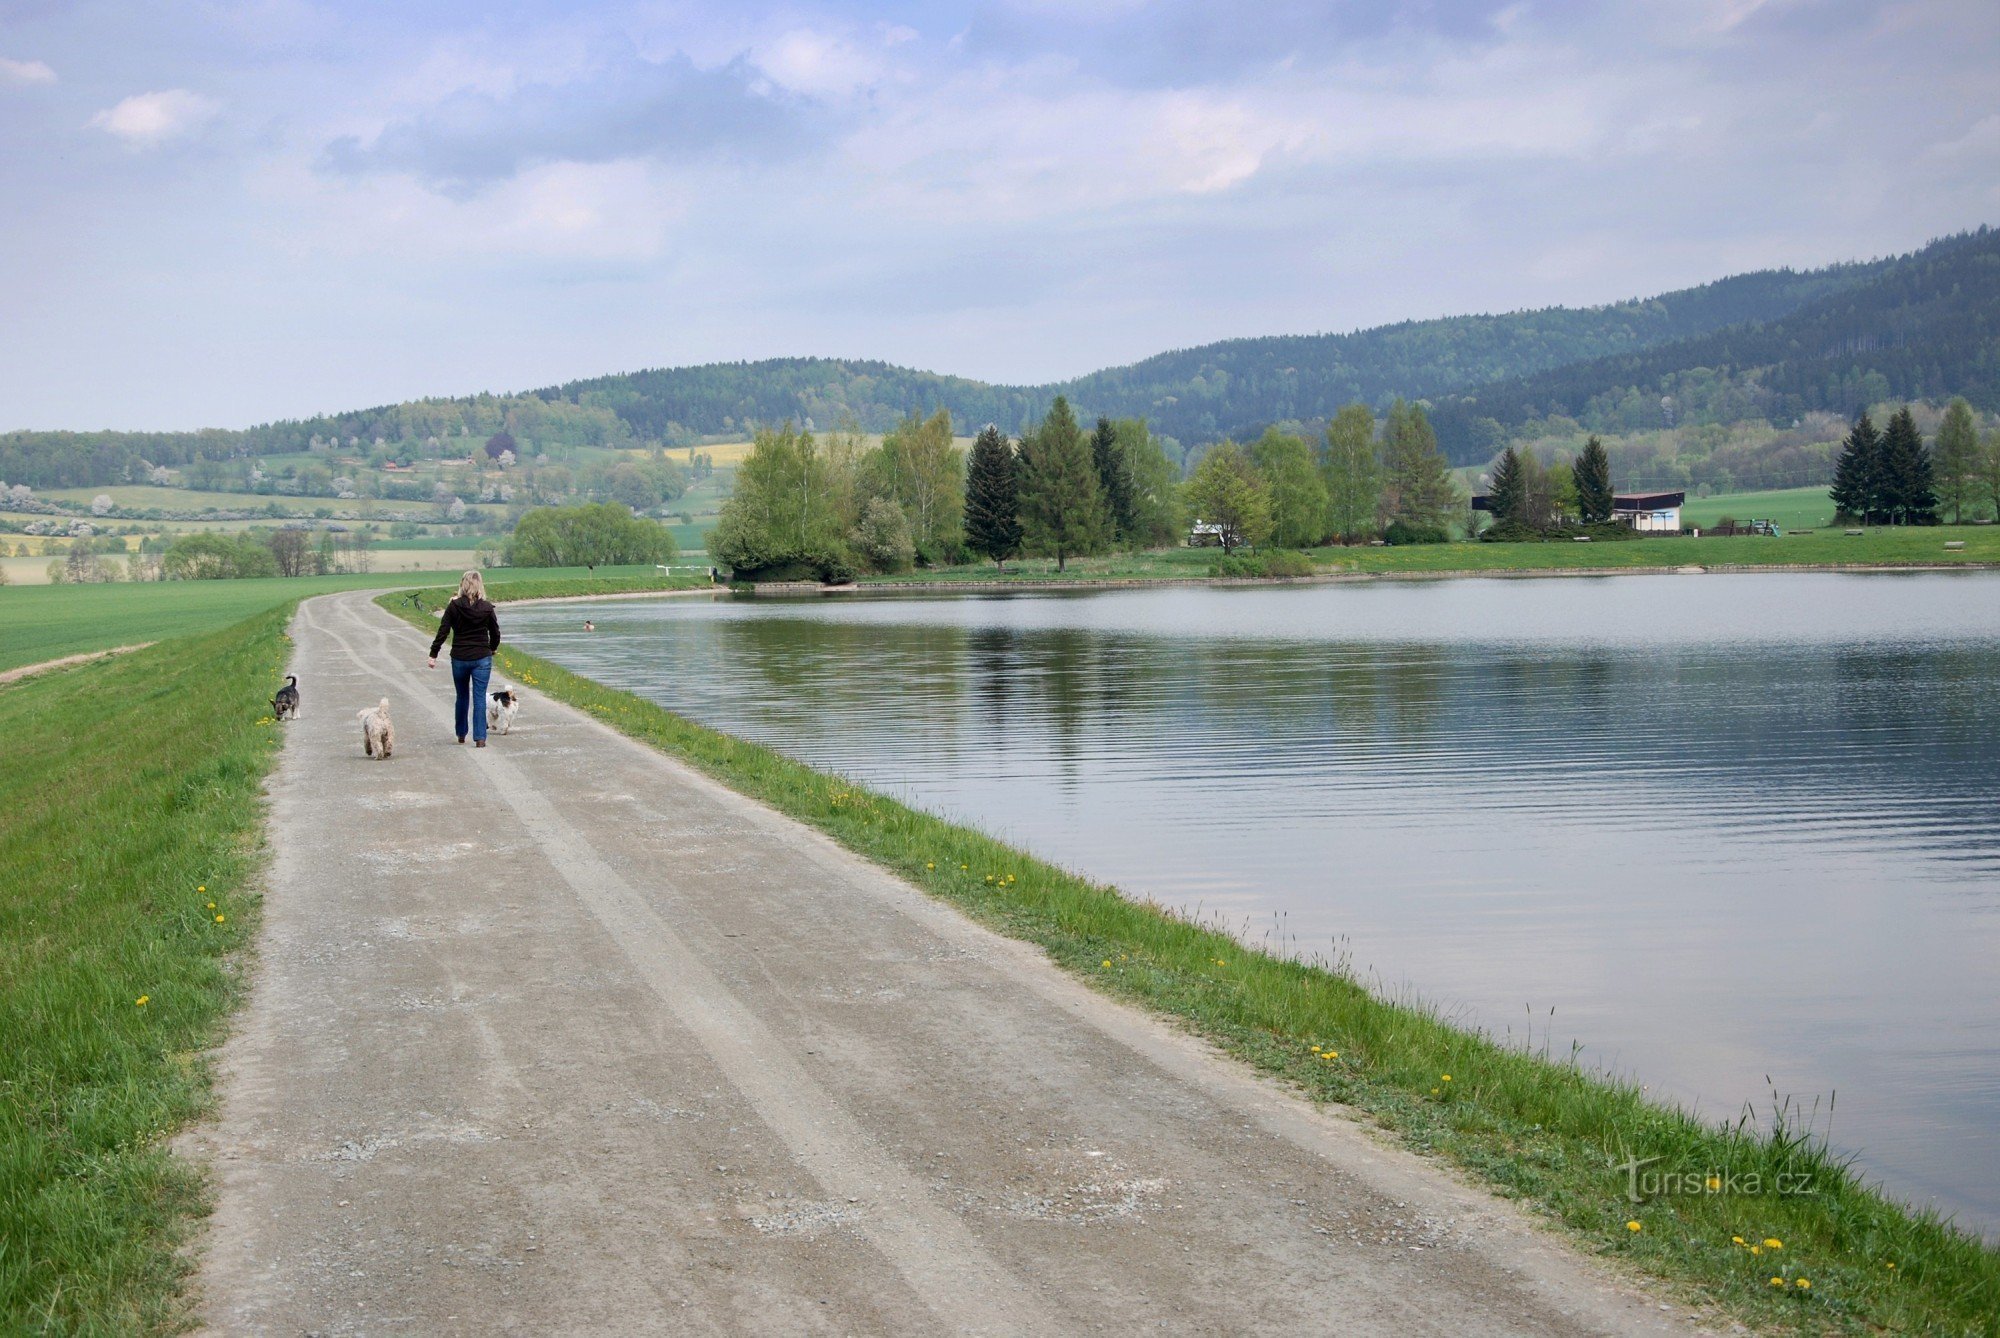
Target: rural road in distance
562, 1037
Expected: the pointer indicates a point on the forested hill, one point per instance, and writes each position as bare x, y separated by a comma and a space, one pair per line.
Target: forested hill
1232, 388
1924, 326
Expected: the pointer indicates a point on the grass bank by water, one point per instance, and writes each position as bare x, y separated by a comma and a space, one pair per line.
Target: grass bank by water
132, 801
1757, 1219
1819, 549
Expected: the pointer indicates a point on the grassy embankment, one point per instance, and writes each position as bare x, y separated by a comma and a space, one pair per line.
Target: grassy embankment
47, 622
1824, 548
1531, 1126
132, 799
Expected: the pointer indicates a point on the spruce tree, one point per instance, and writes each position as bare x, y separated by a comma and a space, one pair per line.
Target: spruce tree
1114, 480
1856, 471
992, 498
1507, 493
1062, 503
1421, 492
1955, 459
1908, 492
1592, 472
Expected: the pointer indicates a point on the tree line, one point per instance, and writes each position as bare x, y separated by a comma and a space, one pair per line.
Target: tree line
1892, 478
828, 508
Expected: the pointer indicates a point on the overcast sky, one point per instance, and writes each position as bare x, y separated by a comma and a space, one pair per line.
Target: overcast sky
215, 212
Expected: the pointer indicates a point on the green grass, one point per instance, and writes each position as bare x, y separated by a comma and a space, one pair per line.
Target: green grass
1792, 508
114, 824
1530, 1126
46, 622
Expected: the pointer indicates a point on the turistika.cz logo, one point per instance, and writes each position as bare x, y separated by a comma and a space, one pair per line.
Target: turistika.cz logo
1642, 1184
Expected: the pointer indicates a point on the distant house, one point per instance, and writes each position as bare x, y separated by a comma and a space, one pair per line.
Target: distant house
1649, 512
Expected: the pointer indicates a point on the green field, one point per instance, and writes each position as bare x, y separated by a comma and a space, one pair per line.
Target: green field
1792, 508
47, 622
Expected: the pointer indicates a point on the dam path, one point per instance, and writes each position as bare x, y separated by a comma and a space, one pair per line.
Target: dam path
560, 1036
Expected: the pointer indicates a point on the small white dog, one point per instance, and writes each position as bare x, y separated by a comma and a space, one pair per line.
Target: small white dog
501, 705
378, 732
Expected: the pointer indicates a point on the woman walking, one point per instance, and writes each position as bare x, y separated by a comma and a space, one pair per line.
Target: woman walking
474, 630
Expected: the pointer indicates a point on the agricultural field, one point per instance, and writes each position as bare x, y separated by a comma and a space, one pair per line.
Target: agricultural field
1791, 508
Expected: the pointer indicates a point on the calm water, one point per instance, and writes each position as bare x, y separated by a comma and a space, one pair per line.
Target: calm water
1723, 826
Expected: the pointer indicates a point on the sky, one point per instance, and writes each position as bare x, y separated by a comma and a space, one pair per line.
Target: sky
220, 212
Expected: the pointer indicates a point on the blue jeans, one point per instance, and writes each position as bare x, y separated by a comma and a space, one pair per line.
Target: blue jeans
470, 678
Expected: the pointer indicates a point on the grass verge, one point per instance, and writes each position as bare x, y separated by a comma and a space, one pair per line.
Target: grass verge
132, 798
1760, 1219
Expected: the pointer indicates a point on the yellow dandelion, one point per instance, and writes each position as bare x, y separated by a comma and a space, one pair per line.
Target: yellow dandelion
1635, 1225
143, 1000
211, 905
1446, 1078
220, 918
1332, 1054
1777, 1282
1434, 1091
1756, 1250
201, 887
1107, 961
929, 864
1714, 1183
1773, 1243
1803, 1284
1739, 1240
1889, 1266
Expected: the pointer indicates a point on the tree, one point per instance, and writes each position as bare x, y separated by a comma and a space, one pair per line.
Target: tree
1155, 511
992, 498
918, 468
791, 504
1226, 492
882, 536
210, 557
290, 550
1114, 480
1592, 473
596, 534
1856, 472
1989, 471
1908, 493
1955, 460
501, 443
1062, 503
1507, 490
1351, 472
1298, 498
1420, 492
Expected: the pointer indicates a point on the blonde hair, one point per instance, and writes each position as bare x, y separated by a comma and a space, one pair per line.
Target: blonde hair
472, 587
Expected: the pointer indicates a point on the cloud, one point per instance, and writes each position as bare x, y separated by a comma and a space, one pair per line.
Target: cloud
25, 72
148, 120
668, 111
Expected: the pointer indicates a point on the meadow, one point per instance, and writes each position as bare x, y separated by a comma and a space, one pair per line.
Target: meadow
1791, 508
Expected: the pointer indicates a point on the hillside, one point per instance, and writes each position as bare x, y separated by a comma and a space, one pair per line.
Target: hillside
1923, 326
1773, 344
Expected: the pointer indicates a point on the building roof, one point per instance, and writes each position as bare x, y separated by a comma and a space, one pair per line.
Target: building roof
1646, 501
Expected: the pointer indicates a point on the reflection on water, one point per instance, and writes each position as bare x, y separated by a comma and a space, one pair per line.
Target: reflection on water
1725, 827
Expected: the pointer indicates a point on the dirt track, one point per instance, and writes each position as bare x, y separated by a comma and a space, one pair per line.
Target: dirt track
559, 1036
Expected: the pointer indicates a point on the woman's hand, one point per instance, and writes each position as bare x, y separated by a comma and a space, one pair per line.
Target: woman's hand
434, 662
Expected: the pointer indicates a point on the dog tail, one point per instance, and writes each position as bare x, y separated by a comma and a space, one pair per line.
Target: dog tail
384, 707
291, 680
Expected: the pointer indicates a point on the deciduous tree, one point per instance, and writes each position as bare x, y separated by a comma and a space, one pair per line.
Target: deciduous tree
1298, 498
1955, 460
1226, 492
597, 534
1351, 471
1420, 491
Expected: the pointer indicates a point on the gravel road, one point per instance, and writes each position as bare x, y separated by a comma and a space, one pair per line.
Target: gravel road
559, 1036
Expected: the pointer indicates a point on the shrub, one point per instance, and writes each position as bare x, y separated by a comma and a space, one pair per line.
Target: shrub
1403, 532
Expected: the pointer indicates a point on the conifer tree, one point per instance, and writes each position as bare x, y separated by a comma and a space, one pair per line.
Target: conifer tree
1114, 480
1955, 459
992, 498
1854, 490
1420, 490
1507, 493
1908, 492
1592, 473
1062, 503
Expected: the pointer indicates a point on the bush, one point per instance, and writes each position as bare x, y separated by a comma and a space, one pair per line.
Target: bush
1403, 532
1278, 564
883, 536
833, 566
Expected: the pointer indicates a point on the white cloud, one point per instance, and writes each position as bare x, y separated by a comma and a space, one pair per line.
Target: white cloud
23, 72
148, 120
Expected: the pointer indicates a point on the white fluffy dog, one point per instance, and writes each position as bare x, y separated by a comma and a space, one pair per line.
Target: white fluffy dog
378, 732
501, 705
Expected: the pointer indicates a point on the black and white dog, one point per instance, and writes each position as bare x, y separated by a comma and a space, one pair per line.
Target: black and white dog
501, 704
286, 703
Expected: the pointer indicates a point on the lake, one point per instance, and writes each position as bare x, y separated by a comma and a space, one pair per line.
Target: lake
1729, 832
